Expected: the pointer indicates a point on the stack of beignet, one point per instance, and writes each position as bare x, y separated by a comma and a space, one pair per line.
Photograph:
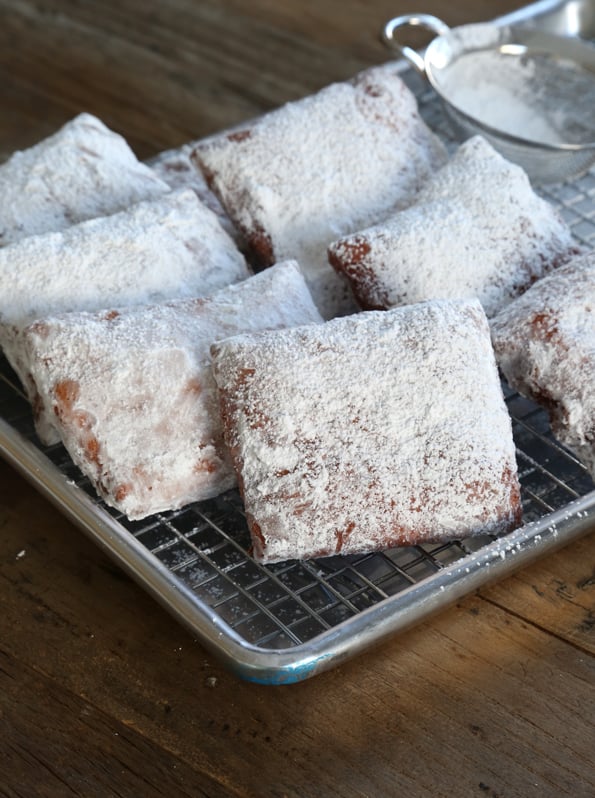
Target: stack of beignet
153, 251
169, 372
331, 163
132, 394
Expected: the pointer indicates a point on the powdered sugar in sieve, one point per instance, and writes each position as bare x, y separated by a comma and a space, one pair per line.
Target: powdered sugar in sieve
534, 97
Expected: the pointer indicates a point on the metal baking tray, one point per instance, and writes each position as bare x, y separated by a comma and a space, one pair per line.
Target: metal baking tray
288, 621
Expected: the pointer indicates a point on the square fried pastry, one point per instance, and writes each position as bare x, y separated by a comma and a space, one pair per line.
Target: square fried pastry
156, 250
82, 171
300, 176
133, 394
477, 228
371, 431
545, 346
179, 170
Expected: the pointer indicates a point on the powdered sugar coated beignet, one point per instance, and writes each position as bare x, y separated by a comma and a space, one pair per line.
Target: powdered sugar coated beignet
545, 346
331, 163
369, 431
162, 249
133, 392
477, 228
82, 171
178, 170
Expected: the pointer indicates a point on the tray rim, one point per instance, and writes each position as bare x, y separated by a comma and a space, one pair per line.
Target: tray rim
394, 614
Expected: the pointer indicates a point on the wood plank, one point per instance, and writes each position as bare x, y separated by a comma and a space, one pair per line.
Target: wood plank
164, 74
61, 745
565, 588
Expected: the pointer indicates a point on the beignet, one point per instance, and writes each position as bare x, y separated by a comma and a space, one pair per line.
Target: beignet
300, 176
133, 394
477, 228
82, 171
545, 346
178, 170
370, 431
169, 247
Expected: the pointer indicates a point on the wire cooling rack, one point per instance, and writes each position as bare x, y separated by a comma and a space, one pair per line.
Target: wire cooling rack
288, 621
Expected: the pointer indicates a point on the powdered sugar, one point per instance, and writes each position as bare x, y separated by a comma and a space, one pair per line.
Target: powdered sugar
531, 96
170, 247
133, 393
545, 345
476, 229
495, 91
302, 175
178, 170
82, 171
369, 431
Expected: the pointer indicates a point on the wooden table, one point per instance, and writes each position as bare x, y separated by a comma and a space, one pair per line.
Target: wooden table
101, 693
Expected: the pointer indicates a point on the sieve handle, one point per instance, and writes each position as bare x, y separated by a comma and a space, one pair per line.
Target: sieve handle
426, 21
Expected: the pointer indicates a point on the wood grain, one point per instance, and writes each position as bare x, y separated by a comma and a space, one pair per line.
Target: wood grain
565, 589
85, 751
101, 692
166, 73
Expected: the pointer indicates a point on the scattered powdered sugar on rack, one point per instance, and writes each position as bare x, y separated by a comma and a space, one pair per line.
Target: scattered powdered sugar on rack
82, 171
375, 430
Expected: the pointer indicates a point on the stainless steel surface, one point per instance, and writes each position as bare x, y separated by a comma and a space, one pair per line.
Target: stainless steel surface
289, 621
571, 18
529, 92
